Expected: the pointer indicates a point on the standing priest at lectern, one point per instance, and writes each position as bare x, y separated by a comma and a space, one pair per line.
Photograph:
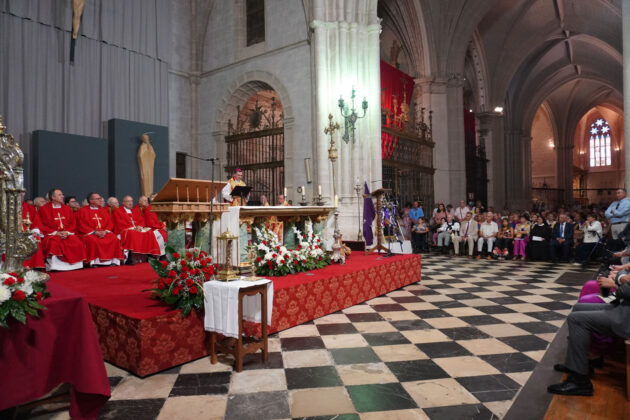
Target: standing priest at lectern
235, 181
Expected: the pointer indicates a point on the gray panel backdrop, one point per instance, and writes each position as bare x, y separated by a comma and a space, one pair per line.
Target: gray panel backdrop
76, 164
124, 140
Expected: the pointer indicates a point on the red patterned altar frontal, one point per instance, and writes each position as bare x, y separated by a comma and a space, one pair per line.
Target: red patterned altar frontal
144, 336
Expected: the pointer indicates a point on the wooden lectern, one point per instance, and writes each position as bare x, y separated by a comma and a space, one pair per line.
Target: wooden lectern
182, 198
181, 201
378, 194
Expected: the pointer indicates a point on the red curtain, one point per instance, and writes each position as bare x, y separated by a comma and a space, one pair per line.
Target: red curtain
393, 83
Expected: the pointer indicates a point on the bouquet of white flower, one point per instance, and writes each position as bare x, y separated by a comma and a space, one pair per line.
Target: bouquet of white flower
274, 259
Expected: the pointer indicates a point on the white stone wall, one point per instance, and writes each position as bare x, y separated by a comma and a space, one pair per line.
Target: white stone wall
283, 61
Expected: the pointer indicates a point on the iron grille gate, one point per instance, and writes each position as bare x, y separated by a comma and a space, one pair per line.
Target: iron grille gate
260, 154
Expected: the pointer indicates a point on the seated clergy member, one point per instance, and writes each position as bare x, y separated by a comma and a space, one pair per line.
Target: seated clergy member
134, 236
112, 205
151, 221
30, 220
282, 201
62, 248
95, 225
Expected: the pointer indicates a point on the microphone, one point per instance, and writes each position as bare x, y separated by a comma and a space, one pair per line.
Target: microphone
212, 159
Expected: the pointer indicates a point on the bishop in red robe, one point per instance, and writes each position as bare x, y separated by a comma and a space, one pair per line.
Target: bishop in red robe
151, 221
96, 227
62, 248
30, 220
134, 235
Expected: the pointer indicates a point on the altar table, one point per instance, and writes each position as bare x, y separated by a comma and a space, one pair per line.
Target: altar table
59, 347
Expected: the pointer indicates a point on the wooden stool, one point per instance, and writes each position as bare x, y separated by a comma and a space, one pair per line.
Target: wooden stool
242, 346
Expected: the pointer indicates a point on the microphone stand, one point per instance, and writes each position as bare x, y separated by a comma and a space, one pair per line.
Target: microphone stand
211, 223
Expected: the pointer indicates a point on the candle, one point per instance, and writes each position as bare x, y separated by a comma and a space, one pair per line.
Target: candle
285, 192
303, 192
336, 201
319, 189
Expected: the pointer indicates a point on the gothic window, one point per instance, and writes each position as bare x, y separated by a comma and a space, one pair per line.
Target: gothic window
255, 13
599, 144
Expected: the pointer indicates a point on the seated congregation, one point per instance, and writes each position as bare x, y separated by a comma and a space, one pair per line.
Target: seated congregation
556, 236
74, 236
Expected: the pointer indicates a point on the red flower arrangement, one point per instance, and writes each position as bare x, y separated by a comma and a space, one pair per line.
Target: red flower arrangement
20, 295
180, 282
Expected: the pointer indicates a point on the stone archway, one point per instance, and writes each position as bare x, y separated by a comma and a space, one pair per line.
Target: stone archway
235, 136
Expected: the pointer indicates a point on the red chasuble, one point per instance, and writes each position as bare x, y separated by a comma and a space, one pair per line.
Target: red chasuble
151, 220
107, 248
138, 241
71, 249
30, 213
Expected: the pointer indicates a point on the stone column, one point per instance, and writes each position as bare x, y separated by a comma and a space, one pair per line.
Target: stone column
564, 167
444, 96
346, 50
491, 128
625, 24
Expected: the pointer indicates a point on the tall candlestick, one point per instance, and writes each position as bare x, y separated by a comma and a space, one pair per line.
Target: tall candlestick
285, 193
319, 189
336, 201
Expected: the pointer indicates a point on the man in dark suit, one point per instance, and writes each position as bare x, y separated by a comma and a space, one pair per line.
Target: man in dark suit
562, 237
586, 318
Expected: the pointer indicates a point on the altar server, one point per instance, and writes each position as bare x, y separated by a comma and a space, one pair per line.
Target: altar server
62, 248
134, 235
95, 225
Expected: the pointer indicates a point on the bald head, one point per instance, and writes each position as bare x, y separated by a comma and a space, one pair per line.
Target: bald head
143, 202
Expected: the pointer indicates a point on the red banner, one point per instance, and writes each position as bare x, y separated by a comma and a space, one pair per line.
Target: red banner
396, 92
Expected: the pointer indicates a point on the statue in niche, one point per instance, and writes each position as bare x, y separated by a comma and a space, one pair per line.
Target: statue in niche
394, 52
146, 162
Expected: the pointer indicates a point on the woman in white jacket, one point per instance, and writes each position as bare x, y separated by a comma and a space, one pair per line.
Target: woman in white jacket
592, 234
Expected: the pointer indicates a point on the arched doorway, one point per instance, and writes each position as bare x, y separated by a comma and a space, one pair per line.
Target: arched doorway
255, 143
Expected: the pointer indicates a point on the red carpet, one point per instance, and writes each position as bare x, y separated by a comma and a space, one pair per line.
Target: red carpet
145, 336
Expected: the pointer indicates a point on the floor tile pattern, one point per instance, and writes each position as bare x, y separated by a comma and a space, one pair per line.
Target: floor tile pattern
460, 344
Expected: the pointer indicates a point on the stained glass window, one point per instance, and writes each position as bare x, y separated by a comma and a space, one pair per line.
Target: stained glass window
599, 144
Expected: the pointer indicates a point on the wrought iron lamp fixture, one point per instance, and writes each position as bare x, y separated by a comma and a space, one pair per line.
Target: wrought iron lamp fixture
350, 117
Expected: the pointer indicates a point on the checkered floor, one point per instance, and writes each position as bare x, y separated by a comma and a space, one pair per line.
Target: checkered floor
458, 345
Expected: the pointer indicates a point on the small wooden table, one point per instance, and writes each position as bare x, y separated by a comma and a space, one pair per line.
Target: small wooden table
239, 347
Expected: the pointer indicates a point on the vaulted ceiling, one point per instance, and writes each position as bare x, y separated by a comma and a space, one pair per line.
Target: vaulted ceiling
525, 51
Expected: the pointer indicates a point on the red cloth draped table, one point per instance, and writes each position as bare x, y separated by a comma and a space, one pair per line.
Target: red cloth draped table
59, 347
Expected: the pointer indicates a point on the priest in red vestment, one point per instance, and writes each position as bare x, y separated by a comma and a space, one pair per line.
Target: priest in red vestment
134, 236
95, 225
62, 248
30, 220
151, 221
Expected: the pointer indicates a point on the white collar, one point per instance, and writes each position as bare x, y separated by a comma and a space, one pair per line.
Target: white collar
94, 208
55, 206
127, 210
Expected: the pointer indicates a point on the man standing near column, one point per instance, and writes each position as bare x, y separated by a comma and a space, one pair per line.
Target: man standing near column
618, 213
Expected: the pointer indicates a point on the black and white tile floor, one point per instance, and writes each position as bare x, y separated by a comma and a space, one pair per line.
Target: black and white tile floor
460, 344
